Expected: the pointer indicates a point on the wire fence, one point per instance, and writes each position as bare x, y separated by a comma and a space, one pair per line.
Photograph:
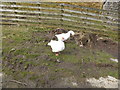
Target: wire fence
58, 15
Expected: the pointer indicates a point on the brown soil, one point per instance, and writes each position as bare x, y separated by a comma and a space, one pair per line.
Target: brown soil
43, 76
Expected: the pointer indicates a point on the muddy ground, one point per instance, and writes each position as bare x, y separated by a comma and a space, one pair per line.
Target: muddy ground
29, 63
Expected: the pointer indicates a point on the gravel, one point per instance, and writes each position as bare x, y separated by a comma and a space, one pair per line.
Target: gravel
108, 82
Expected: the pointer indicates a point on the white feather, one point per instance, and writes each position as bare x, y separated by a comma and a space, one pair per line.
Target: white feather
57, 46
64, 36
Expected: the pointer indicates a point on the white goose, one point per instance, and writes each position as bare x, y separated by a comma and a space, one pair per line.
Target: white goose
64, 36
57, 46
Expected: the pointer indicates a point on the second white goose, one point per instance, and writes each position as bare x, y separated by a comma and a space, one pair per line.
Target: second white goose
64, 36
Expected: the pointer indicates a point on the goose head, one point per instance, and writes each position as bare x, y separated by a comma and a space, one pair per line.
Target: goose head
71, 33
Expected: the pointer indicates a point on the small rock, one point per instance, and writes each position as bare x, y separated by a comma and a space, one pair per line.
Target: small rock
81, 45
74, 84
115, 60
1, 74
58, 60
13, 49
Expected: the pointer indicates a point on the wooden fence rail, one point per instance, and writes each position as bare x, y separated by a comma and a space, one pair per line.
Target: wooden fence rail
59, 15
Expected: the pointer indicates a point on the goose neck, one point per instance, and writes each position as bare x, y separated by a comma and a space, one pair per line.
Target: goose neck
68, 33
60, 40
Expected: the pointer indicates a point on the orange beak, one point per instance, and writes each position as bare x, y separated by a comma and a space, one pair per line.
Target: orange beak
62, 38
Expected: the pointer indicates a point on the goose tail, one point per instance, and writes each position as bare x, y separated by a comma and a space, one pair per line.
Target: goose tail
48, 44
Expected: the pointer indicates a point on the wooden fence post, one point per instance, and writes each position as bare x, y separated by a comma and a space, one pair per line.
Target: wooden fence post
62, 11
39, 15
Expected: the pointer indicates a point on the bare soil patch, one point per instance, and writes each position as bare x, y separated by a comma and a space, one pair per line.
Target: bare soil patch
32, 62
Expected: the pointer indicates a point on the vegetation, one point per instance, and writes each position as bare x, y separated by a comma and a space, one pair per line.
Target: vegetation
26, 56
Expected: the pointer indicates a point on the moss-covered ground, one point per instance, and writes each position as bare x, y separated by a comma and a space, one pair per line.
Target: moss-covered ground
27, 58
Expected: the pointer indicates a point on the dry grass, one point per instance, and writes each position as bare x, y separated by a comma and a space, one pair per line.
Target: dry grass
90, 3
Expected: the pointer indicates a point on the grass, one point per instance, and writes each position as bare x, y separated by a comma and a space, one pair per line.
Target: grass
25, 54
99, 28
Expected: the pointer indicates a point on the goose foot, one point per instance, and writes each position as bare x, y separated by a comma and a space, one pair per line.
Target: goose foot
57, 54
